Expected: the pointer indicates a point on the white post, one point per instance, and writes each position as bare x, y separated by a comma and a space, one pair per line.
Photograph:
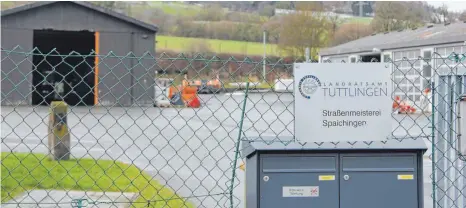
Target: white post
263, 70
361, 4
308, 54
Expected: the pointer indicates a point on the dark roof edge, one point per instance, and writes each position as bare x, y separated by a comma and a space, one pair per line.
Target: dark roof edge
249, 148
345, 53
400, 45
88, 5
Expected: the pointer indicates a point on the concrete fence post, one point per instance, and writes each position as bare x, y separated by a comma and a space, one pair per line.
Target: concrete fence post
308, 55
58, 133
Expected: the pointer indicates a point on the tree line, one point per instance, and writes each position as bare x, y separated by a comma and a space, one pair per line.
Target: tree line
309, 26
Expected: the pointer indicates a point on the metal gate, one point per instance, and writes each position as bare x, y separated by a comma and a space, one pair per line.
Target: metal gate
449, 170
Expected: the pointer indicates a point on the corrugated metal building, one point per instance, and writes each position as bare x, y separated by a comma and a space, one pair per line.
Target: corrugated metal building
65, 26
426, 44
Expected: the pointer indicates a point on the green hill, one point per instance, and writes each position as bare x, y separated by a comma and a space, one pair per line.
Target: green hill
182, 44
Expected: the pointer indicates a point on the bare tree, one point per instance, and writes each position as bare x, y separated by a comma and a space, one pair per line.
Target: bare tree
335, 21
444, 12
442, 15
213, 12
273, 28
462, 16
386, 14
308, 27
413, 15
351, 31
392, 16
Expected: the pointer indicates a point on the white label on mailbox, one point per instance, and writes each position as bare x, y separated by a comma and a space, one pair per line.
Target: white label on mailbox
300, 191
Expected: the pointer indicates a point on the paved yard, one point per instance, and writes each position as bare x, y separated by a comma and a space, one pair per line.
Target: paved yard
190, 150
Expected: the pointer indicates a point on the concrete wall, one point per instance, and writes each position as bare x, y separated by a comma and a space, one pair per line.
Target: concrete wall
116, 85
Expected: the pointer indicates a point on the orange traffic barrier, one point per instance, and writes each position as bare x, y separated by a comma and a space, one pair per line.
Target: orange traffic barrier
215, 83
402, 107
194, 102
396, 102
187, 97
407, 109
188, 94
191, 100
171, 91
189, 90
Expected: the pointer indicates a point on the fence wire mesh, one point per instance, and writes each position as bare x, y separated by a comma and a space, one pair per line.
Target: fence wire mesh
164, 130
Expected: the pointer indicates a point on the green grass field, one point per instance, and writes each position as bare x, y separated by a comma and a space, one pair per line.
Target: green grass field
361, 20
182, 44
26, 171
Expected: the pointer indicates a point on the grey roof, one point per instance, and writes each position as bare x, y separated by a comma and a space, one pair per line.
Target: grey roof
88, 5
428, 35
251, 146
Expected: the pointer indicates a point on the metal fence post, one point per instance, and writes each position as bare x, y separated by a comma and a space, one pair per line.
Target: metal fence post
308, 55
433, 158
442, 144
462, 135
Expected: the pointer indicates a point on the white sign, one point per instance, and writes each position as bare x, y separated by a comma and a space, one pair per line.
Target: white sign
342, 102
300, 191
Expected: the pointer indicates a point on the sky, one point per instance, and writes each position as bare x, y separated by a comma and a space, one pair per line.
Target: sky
458, 6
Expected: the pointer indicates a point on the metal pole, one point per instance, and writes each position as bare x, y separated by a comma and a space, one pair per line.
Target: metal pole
241, 121
434, 184
308, 54
441, 145
462, 135
263, 70
80, 203
361, 8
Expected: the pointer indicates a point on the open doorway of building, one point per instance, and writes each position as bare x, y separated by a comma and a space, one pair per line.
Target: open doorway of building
371, 58
60, 75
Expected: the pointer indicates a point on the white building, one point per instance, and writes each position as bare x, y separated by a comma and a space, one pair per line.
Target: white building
417, 54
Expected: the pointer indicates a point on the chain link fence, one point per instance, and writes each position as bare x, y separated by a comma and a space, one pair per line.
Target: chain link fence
136, 138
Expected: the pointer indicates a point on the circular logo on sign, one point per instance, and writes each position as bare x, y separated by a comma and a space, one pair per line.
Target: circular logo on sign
308, 85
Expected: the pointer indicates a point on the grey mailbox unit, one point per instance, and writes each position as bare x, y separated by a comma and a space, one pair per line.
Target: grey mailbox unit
358, 175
